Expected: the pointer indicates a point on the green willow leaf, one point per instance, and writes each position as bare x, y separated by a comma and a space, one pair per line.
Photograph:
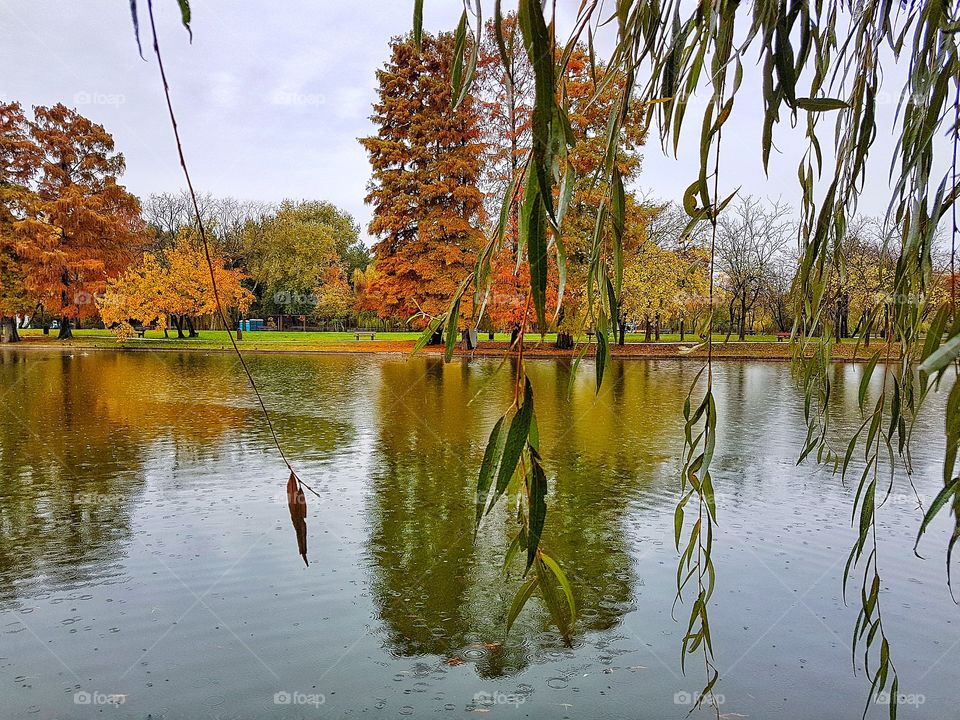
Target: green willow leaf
516, 440
185, 16
538, 505
539, 48
418, 24
950, 489
534, 233
459, 50
561, 577
136, 26
428, 332
618, 215
553, 602
452, 321
945, 354
506, 61
491, 461
865, 380
520, 599
511, 554
603, 351
822, 104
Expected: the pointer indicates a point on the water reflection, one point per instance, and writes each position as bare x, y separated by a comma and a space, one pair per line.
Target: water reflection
76, 434
440, 593
127, 467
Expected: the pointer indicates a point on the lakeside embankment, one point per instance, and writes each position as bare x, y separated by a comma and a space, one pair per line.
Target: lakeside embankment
759, 347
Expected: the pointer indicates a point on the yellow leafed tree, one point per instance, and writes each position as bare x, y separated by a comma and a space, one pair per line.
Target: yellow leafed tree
174, 284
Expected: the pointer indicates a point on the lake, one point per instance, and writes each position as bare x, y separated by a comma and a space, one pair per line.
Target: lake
148, 566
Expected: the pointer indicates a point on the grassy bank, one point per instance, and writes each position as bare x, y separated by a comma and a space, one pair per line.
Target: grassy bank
756, 346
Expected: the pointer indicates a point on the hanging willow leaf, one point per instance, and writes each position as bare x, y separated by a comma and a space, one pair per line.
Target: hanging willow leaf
453, 318
945, 354
537, 482
618, 215
822, 104
506, 60
136, 26
491, 461
539, 48
297, 503
185, 16
561, 577
459, 49
516, 440
428, 332
418, 24
533, 235
603, 349
520, 599
949, 490
553, 602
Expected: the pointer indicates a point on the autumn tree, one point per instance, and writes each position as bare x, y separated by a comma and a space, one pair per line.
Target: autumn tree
426, 162
173, 284
590, 105
18, 163
82, 228
289, 253
334, 296
504, 95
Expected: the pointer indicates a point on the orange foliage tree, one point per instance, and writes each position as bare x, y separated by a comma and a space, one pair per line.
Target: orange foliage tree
173, 284
504, 91
18, 162
335, 297
81, 228
426, 160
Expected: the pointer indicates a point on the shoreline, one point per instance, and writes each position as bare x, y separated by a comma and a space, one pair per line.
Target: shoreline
734, 350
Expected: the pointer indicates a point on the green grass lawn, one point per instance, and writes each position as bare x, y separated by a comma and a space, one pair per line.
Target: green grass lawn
267, 340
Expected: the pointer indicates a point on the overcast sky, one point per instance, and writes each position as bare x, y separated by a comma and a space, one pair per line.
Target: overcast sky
271, 97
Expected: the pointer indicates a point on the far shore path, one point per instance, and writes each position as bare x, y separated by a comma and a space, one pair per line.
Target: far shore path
261, 342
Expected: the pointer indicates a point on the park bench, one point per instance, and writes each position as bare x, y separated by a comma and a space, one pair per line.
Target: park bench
140, 330
365, 333
590, 334
781, 336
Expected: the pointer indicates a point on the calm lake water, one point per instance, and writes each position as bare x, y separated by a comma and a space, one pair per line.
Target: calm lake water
146, 548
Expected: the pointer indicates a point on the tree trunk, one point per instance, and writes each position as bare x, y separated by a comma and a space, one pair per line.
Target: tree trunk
731, 309
656, 326
564, 341
623, 328
646, 329
743, 317
65, 330
193, 331
514, 334
8, 330
681, 329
